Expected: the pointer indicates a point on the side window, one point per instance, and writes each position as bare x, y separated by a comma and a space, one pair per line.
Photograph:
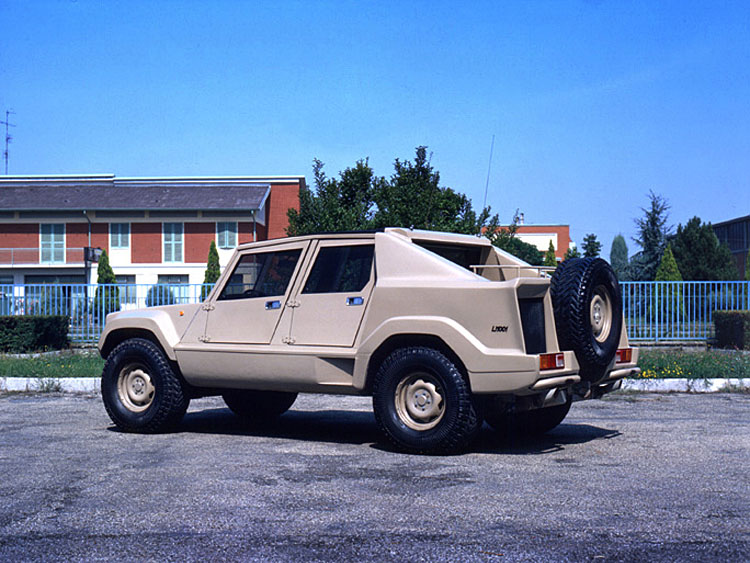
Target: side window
340, 269
261, 275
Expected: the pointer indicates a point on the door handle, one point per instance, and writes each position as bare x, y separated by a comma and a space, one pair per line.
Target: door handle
353, 301
273, 305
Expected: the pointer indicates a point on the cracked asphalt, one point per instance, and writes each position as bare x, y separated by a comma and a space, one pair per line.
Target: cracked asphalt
628, 478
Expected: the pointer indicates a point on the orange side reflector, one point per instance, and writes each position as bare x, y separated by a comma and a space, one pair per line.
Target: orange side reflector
624, 356
552, 361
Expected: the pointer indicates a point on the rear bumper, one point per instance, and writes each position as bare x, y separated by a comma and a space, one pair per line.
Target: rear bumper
534, 381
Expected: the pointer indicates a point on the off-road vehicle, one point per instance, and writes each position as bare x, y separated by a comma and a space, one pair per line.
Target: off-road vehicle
442, 330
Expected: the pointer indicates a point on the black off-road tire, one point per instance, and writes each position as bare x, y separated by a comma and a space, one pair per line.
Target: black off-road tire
529, 423
258, 406
140, 390
587, 304
422, 402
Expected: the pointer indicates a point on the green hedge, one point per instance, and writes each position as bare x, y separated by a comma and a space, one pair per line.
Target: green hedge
732, 329
20, 334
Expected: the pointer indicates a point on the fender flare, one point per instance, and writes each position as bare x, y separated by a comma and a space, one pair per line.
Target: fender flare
452, 334
156, 323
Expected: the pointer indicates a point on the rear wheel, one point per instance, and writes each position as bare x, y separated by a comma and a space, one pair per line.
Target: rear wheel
258, 406
423, 403
140, 390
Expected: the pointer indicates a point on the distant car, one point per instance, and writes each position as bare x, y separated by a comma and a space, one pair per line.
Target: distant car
442, 330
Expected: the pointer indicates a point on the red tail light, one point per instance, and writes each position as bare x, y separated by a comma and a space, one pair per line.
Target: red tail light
551, 361
624, 356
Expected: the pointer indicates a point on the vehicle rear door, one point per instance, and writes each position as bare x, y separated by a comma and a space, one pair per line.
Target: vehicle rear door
331, 300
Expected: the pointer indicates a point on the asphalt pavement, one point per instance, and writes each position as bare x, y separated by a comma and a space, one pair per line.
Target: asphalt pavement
633, 477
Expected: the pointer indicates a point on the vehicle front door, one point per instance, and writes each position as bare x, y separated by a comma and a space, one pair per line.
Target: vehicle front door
249, 306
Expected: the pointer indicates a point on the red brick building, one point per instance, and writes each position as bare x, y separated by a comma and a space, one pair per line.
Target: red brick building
153, 229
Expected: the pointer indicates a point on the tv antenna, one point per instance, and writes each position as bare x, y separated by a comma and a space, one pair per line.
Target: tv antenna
8, 138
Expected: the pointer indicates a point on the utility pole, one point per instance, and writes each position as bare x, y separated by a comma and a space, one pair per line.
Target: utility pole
8, 138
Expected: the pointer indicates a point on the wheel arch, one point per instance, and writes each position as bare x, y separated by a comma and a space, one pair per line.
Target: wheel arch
405, 340
118, 336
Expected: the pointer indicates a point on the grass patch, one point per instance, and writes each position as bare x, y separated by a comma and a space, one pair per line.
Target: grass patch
705, 364
52, 366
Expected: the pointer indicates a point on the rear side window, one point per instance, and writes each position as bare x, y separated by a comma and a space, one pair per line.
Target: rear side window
463, 255
340, 269
265, 274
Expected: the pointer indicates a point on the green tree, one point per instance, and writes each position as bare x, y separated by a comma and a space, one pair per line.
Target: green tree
549, 257
652, 238
591, 246
213, 271
699, 254
505, 238
618, 257
414, 198
107, 298
359, 200
572, 252
668, 296
668, 269
335, 205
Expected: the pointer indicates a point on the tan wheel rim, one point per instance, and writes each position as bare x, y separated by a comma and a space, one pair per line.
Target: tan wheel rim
601, 314
135, 388
419, 401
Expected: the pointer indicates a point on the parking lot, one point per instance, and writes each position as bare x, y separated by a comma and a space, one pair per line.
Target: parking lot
632, 477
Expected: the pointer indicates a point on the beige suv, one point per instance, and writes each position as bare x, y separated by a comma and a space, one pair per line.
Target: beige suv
442, 330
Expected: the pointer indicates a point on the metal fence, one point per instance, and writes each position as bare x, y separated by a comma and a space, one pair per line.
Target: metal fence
679, 311
88, 305
654, 311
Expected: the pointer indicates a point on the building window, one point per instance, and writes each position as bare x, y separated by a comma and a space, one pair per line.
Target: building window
119, 235
53, 244
226, 233
128, 291
173, 242
176, 285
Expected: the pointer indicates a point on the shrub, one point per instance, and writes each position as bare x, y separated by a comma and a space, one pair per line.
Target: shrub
20, 334
213, 271
693, 365
159, 294
732, 329
107, 299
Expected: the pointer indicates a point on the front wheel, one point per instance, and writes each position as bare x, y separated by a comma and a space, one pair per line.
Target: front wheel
140, 390
422, 402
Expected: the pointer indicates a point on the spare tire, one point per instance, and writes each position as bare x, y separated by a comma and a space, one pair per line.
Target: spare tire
588, 313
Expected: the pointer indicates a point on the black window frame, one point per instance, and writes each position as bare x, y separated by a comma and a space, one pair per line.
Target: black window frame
265, 267
334, 286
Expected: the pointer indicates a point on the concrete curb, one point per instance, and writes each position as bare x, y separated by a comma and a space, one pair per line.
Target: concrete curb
685, 385
79, 385
92, 385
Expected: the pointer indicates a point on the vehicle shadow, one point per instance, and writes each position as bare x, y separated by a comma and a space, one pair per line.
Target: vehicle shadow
334, 426
490, 441
359, 427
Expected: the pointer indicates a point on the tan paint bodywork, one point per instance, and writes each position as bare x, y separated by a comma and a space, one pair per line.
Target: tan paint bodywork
316, 343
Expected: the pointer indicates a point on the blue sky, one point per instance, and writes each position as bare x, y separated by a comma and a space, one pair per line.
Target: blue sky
592, 104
